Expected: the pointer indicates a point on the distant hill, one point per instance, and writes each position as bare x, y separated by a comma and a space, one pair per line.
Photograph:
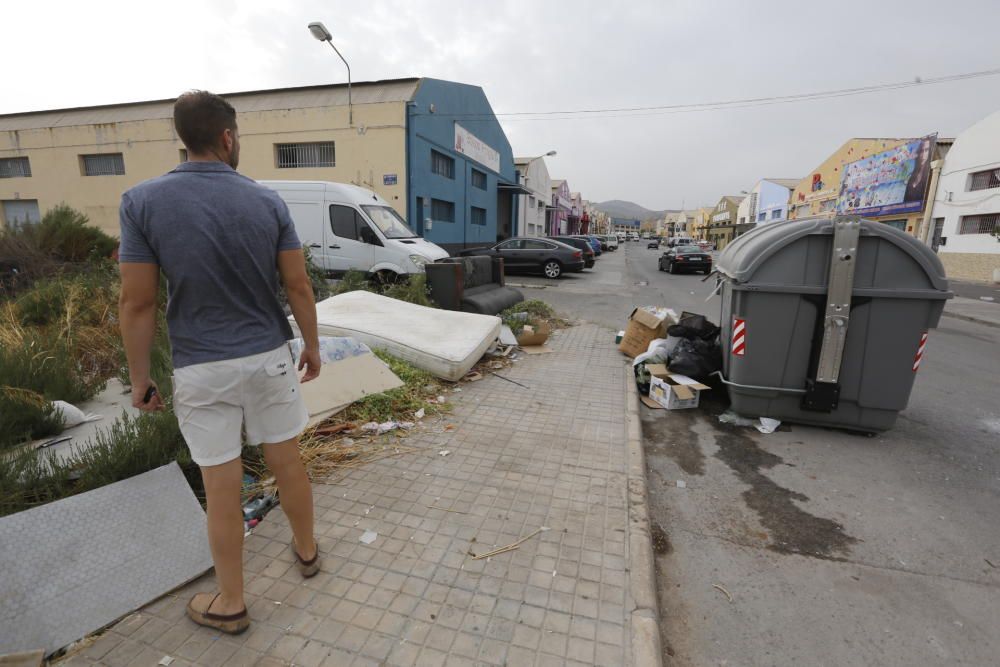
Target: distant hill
618, 208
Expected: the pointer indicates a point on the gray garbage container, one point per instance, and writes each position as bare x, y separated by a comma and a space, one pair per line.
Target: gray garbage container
824, 321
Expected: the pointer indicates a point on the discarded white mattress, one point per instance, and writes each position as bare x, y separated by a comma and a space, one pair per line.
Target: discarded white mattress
350, 372
446, 343
75, 565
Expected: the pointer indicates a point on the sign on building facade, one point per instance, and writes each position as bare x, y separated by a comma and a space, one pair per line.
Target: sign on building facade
472, 146
891, 182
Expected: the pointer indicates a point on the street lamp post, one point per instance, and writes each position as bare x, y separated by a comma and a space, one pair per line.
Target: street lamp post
320, 32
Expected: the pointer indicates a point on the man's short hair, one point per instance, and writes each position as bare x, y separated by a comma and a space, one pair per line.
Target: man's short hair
200, 118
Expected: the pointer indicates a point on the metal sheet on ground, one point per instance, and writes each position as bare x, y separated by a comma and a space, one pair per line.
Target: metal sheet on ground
75, 565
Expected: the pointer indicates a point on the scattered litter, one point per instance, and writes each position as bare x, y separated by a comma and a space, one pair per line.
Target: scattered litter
441, 399
165, 661
681, 484
728, 595
534, 336
496, 365
385, 427
507, 335
474, 376
509, 380
276, 602
444, 452
764, 424
456, 390
730, 417
419, 414
334, 429
986, 298
369, 537
72, 415
259, 506
512, 545
54, 441
767, 425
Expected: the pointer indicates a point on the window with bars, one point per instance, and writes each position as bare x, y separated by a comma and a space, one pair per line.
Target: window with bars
305, 155
775, 214
103, 164
442, 211
979, 224
984, 180
15, 167
478, 179
478, 216
442, 165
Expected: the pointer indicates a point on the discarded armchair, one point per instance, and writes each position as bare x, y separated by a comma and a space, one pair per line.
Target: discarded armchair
472, 284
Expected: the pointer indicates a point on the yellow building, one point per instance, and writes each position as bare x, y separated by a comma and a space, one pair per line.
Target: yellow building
818, 192
406, 142
722, 224
699, 227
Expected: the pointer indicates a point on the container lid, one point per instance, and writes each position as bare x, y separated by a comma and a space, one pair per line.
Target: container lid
886, 256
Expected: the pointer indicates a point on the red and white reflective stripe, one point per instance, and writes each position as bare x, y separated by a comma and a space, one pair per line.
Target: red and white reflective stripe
920, 351
739, 337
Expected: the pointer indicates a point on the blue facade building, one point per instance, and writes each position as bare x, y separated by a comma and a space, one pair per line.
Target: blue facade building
461, 180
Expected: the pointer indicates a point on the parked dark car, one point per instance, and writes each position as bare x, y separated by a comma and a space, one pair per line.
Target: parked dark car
599, 244
589, 256
595, 244
653, 243
529, 255
685, 258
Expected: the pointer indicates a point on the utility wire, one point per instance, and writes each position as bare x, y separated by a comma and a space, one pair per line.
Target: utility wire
665, 109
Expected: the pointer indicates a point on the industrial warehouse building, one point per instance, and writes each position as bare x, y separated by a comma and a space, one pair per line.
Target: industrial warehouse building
433, 148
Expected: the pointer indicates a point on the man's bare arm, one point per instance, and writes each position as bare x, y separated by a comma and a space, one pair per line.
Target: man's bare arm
137, 317
298, 287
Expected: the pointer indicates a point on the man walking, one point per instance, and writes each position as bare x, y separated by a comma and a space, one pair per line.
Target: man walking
222, 241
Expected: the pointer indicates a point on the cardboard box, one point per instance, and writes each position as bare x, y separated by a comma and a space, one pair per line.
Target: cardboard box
675, 392
534, 336
644, 326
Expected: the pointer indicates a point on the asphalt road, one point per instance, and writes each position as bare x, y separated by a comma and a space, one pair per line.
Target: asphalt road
837, 549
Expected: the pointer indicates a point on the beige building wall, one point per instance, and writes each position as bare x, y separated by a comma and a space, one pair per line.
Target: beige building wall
373, 147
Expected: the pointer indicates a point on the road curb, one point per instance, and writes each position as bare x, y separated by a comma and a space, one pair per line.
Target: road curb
970, 318
645, 625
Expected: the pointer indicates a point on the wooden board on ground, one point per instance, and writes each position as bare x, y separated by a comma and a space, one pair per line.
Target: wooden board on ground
536, 349
343, 382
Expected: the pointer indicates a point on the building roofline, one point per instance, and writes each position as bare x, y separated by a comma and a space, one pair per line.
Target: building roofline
243, 93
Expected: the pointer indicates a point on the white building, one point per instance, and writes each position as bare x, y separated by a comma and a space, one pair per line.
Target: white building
966, 214
533, 175
767, 201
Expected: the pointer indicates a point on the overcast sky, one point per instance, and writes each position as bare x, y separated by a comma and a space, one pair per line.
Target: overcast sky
535, 55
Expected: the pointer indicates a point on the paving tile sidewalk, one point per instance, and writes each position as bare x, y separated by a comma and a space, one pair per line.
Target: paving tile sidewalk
553, 455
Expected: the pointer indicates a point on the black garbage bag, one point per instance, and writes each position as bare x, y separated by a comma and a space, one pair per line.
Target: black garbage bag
693, 326
697, 358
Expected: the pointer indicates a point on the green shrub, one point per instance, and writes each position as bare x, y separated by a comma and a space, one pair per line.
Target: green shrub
47, 367
64, 234
412, 289
132, 446
531, 312
399, 403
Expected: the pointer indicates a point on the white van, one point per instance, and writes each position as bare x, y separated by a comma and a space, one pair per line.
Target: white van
346, 227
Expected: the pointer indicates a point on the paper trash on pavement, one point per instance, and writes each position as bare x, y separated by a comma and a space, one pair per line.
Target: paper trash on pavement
368, 537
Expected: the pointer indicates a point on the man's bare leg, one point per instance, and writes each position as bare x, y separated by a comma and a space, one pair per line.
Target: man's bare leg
296, 492
225, 532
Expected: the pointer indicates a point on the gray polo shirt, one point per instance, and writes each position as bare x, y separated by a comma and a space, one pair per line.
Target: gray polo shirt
216, 235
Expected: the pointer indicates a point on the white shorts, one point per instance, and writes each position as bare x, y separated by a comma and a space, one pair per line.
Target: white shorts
215, 400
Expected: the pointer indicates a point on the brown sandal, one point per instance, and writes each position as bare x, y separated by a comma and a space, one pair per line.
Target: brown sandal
232, 624
308, 568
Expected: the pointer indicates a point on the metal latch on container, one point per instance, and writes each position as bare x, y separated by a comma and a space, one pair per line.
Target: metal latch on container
823, 393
